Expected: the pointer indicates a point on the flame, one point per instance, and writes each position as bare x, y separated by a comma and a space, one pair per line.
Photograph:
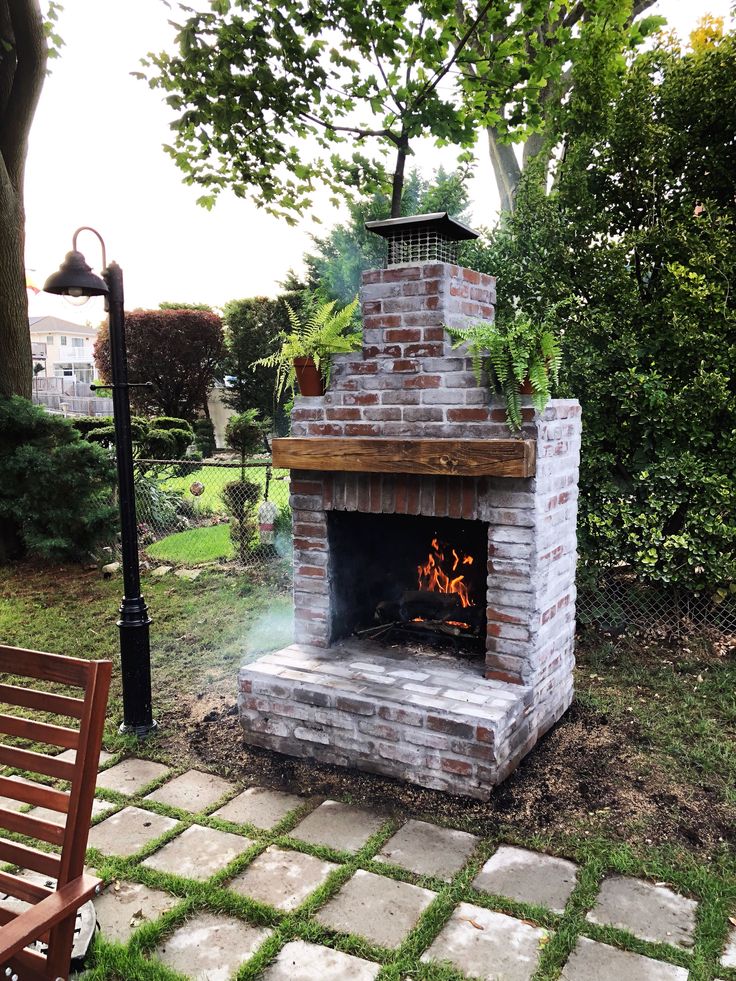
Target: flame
433, 578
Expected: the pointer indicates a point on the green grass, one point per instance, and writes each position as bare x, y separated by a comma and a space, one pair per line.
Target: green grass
215, 478
196, 545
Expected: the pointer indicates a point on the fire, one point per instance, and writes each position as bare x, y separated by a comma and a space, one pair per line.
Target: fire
434, 578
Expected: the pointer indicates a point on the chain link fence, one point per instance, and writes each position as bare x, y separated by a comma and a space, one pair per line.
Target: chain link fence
193, 512
616, 602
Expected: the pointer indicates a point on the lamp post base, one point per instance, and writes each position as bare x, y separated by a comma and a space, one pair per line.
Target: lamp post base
140, 731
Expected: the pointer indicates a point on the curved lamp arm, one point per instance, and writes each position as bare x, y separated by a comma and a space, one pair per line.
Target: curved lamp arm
88, 228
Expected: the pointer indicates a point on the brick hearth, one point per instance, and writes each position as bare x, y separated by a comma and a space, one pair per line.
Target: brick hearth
408, 382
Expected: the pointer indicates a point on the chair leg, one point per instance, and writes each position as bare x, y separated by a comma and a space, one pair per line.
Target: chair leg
59, 955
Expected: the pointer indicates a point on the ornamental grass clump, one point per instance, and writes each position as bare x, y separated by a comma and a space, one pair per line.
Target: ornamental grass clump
520, 357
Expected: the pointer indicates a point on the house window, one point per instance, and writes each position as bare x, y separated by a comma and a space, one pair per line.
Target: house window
63, 370
85, 373
49, 340
77, 342
62, 340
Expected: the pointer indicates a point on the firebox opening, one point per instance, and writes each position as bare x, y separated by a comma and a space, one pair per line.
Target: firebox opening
406, 577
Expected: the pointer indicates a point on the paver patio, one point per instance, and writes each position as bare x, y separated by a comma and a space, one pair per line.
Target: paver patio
475, 940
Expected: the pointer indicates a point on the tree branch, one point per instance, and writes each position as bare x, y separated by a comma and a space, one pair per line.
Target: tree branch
356, 130
31, 53
439, 75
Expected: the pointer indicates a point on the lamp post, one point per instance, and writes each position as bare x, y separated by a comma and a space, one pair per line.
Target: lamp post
75, 278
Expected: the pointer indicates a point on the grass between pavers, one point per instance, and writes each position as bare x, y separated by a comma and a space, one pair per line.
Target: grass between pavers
714, 887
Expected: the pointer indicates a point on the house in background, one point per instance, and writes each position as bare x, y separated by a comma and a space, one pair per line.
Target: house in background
63, 348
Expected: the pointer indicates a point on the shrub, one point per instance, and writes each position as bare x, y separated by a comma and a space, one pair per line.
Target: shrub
171, 422
244, 434
56, 493
85, 424
204, 436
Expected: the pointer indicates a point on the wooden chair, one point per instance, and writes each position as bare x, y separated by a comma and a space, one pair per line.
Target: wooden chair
51, 915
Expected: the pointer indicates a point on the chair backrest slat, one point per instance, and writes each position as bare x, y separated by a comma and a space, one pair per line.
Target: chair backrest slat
27, 759
23, 889
29, 858
35, 793
43, 700
72, 671
32, 827
40, 732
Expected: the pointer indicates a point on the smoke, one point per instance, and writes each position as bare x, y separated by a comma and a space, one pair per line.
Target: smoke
271, 629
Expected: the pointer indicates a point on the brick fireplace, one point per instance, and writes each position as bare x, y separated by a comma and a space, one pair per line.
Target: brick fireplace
403, 451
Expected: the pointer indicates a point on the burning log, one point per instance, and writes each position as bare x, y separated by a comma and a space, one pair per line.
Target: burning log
428, 605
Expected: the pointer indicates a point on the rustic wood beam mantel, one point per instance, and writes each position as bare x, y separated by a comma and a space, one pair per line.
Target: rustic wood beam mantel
456, 457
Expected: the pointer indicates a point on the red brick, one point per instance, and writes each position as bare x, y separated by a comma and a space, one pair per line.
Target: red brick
364, 494
438, 723
375, 491
423, 381
400, 275
424, 350
456, 766
412, 495
371, 276
313, 571
307, 543
306, 486
469, 498
471, 276
484, 735
381, 321
402, 364
512, 679
371, 307
306, 415
323, 429
246, 685
433, 334
362, 367
464, 415
455, 499
404, 336
343, 414
362, 429
361, 398
440, 497
492, 614
400, 495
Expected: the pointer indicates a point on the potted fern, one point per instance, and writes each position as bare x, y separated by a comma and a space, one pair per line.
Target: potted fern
521, 358
305, 355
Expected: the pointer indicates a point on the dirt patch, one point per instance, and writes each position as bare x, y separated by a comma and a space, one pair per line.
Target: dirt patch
586, 776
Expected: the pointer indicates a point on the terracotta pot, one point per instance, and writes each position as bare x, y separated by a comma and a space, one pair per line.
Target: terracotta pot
308, 377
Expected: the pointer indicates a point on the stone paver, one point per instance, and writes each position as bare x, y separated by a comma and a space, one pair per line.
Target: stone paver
126, 832
488, 945
381, 910
210, 947
190, 574
71, 755
280, 878
260, 807
192, 791
428, 850
161, 570
198, 853
729, 954
339, 826
57, 817
650, 912
9, 803
528, 877
129, 776
124, 906
592, 961
301, 961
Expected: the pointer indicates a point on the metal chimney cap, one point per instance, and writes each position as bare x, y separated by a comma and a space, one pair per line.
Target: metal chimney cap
439, 222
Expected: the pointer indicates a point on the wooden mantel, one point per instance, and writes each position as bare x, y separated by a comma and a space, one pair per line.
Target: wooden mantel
456, 457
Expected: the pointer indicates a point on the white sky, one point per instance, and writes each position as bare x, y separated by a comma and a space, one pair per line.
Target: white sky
96, 159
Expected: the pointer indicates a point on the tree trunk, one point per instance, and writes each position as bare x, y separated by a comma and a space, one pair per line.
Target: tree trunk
505, 168
397, 188
16, 363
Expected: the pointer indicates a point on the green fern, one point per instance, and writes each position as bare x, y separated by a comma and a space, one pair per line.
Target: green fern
321, 336
512, 352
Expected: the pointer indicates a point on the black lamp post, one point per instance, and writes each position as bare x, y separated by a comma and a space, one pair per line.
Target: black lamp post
75, 278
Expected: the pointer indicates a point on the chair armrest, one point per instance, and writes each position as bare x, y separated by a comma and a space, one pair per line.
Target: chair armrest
31, 923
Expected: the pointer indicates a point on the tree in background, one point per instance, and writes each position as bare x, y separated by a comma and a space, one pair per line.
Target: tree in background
168, 305
244, 434
256, 90
178, 351
24, 49
251, 328
635, 251
336, 266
